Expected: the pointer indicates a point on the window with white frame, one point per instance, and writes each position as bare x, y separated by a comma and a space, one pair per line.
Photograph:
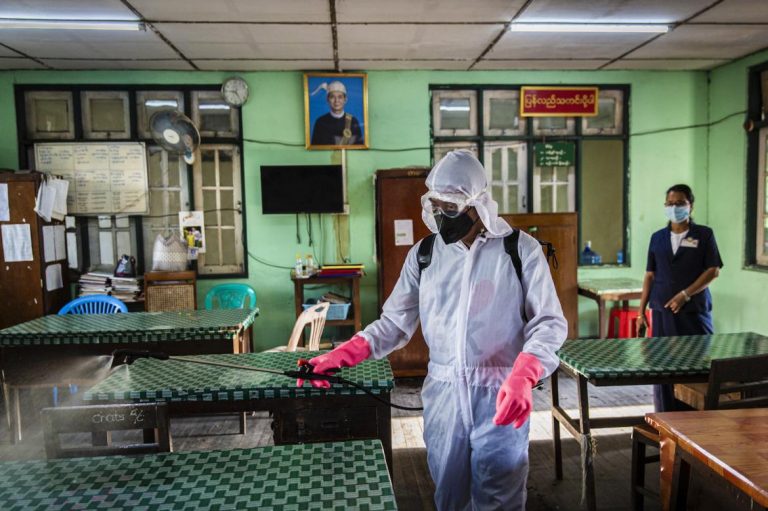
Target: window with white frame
168, 194
219, 195
173, 185
486, 119
505, 166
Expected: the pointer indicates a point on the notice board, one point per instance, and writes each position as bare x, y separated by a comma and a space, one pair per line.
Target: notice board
104, 177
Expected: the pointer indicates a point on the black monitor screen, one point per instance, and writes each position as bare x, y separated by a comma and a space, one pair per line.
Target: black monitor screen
302, 189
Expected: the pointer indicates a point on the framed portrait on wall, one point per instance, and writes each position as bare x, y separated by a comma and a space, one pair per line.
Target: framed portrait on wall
336, 110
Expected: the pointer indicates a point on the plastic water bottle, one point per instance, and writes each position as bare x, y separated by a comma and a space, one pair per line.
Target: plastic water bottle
298, 268
587, 256
620, 257
310, 265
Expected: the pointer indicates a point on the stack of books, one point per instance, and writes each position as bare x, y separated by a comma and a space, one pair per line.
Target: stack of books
98, 282
340, 270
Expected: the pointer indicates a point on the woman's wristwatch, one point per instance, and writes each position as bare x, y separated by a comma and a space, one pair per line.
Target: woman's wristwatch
687, 297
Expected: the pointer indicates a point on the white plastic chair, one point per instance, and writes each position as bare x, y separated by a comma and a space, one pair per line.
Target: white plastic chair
313, 316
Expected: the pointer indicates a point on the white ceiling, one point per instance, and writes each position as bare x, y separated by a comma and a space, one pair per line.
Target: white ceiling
376, 34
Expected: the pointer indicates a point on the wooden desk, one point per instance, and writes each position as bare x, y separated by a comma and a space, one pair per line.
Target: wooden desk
37, 350
354, 286
684, 359
606, 290
300, 414
727, 443
328, 476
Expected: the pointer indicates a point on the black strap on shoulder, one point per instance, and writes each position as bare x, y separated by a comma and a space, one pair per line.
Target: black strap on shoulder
424, 256
510, 247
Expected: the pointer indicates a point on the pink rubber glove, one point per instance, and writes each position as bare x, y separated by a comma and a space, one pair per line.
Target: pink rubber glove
346, 354
514, 401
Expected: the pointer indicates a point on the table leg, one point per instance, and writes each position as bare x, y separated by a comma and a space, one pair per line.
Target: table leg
602, 319
588, 499
680, 478
384, 419
556, 443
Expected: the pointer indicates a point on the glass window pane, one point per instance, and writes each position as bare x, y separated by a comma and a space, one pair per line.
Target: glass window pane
215, 115
212, 247
765, 236
225, 168
174, 169
514, 206
107, 114
228, 246
546, 174
156, 207
601, 202
561, 174
227, 208
606, 114
454, 113
511, 165
552, 123
546, 199
155, 166
209, 206
562, 198
208, 162
496, 165
440, 150
51, 115
504, 113
174, 203
497, 193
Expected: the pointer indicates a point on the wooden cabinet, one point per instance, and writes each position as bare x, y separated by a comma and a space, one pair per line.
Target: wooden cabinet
398, 194
25, 293
561, 230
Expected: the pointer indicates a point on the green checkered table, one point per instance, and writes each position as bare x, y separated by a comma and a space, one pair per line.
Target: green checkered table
325, 476
301, 414
603, 291
60, 350
133, 327
610, 362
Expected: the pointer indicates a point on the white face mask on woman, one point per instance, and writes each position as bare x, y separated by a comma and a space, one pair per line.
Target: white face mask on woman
677, 214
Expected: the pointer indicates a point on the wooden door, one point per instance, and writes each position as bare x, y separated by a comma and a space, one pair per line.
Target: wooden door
561, 230
398, 197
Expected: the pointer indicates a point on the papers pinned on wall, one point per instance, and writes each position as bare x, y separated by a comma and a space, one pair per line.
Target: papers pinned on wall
54, 243
5, 210
403, 232
51, 199
53, 278
17, 243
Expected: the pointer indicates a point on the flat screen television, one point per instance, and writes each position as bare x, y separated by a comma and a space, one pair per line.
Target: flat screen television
302, 189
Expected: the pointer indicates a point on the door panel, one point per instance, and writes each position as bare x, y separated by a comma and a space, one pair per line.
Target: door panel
398, 194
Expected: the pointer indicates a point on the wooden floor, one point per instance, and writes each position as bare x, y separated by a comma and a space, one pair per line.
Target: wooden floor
413, 485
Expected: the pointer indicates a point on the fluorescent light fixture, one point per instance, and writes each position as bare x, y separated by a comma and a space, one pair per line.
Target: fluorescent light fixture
48, 24
213, 106
589, 27
154, 103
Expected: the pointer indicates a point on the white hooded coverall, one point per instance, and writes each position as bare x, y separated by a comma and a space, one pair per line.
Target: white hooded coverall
470, 304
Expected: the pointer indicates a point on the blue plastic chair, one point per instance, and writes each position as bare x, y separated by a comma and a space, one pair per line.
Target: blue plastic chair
230, 296
95, 304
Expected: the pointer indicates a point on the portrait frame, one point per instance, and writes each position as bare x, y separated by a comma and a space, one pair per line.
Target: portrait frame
323, 132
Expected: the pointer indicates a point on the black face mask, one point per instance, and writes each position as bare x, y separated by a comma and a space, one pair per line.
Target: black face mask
454, 229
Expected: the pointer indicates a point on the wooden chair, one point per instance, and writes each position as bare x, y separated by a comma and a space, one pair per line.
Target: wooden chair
170, 291
100, 421
740, 382
313, 316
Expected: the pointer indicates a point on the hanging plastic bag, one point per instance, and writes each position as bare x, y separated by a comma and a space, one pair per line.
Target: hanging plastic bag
169, 254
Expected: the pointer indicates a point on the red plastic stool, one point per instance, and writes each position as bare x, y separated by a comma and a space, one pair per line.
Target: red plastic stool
627, 319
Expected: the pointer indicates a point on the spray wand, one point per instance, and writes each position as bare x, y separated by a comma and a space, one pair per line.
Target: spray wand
305, 370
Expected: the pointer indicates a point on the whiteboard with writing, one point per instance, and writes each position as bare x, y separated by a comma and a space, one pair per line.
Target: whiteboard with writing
104, 177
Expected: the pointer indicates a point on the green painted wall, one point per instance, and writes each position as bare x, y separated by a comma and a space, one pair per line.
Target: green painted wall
739, 294
399, 119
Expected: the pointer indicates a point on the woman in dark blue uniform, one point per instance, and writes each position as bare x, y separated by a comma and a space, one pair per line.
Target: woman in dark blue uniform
682, 261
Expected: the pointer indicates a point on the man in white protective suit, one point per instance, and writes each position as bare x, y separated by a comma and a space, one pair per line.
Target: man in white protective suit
491, 337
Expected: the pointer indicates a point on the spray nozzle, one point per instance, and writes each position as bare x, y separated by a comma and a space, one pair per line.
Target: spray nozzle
124, 356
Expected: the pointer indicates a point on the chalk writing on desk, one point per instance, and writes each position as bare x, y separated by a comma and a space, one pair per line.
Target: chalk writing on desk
104, 177
135, 417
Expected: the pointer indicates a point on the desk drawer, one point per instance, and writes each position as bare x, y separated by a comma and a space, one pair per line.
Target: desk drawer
320, 424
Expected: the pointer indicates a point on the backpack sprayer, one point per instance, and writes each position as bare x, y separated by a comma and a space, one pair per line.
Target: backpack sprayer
305, 371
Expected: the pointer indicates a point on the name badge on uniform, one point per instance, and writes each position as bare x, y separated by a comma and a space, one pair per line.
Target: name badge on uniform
689, 242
